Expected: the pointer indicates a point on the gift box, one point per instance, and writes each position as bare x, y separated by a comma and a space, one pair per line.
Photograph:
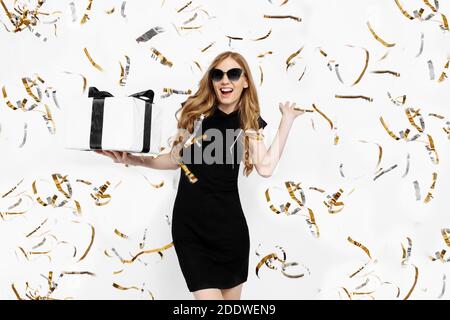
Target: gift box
104, 122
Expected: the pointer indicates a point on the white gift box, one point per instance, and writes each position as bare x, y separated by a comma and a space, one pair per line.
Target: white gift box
101, 121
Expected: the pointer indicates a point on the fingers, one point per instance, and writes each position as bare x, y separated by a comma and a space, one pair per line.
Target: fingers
116, 156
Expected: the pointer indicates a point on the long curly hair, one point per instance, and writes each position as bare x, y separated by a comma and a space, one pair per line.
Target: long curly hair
205, 98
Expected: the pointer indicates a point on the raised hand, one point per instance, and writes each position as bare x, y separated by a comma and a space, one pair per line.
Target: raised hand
289, 111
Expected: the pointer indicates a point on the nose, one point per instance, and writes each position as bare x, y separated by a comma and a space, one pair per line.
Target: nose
225, 80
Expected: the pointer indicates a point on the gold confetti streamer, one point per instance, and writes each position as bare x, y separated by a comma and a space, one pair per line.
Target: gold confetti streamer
28, 89
430, 193
380, 152
332, 202
124, 73
235, 38
261, 77
406, 253
158, 250
353, 97
312, 223
264, 260
364, 248
360, 269
184, 7
443, 75
384, 43
263, 37
302, 74
99, 193
404, 12
289, 186
110, 11
384, 171
323, 52
191, 19
431, 150
95, 65
444, 25
190, 28
411, 120
272, 207
434, 9
118, 286
158, 56
207, 47
37, 228
84, 80
170, 91
86, 13
120, 234
198, 65
366, 64
292, 56
90, 243
323, 115
387, 129
397, 74
436, 115
12, 285
396, 100
414, 284
445, 234
264, 54
346, 291
282, 17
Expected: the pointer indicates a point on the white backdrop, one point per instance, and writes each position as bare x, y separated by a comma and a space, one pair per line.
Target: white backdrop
379, 214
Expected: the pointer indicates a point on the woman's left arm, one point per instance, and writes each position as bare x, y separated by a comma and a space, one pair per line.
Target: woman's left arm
265, 160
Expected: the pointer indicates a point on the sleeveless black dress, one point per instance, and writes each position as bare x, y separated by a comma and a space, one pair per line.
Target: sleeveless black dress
209, 229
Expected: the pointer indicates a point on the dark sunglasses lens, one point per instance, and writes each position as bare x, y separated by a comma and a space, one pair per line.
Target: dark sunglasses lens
234, 74
216, 75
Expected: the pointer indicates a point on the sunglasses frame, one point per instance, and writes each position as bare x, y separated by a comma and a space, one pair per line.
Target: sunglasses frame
227, 72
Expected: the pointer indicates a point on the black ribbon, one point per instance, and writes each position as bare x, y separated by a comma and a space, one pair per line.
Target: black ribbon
98, 105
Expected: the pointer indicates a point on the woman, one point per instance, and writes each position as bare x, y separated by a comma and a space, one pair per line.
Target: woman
209, 230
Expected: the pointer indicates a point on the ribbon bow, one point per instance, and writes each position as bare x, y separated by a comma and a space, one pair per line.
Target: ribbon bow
146, 95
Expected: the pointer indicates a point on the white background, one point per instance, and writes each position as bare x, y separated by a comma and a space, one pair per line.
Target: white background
379, 214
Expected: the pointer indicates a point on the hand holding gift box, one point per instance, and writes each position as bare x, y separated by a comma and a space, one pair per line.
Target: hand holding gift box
104, 122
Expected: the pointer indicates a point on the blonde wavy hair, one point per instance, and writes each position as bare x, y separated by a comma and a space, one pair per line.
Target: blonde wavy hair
205, 98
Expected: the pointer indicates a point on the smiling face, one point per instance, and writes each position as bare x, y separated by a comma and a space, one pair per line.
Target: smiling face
229, 99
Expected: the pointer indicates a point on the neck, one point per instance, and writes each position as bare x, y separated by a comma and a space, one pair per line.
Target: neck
228, 107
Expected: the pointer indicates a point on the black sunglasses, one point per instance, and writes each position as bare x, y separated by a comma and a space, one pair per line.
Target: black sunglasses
232, 74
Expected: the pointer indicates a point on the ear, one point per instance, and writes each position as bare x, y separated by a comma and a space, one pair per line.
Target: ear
245, 81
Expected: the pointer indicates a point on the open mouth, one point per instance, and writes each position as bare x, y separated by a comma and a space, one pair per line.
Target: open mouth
226, 92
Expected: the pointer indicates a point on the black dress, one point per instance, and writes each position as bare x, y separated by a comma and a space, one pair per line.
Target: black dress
209, 229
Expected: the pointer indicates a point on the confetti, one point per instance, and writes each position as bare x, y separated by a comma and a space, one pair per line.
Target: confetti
95, 65
414, 283
353, 97
364, 248
150, 34
282, 17
384, 43
158, 56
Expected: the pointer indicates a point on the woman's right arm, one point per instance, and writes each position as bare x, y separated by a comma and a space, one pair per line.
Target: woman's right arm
161, 162
165, 161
